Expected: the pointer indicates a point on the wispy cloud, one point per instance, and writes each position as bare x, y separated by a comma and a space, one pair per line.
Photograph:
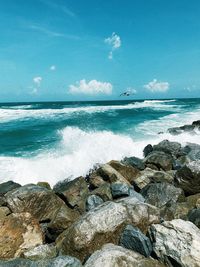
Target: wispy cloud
156, 86
114, 41
37, 81
53, 68
51, 33
92, 87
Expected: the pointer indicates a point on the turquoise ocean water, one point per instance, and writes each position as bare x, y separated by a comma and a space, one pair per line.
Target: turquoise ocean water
55, 140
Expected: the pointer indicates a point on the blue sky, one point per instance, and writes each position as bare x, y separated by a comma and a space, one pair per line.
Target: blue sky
92, 50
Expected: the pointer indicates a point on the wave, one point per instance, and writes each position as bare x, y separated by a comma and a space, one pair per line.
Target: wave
77, 152
7, 115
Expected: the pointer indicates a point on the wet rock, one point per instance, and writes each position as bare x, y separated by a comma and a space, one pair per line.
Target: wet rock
93, 201
147, 150
188, 178
115, 256
8, 186
111, 175
162, 194
166, 146
134, 162
104, 224
61, 261
46, 251
160, 159
175, 131
194, 216
74, 193
45, 185
132, 238
120, 190
192, 151
196, 123
177, 243
103, 192
18, 232
127, 171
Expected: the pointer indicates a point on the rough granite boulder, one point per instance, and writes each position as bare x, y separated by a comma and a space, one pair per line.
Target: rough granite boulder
188, 178
119, 190
18, 232
135, 162
8, 186
177, 243
166, 146
103, 191
192, 151
74, 193
47, 251
194, 216
162, 160
104, 224
132, 238
115, 256
93, 201
42, 203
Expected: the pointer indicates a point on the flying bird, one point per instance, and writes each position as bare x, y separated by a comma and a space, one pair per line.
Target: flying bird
128, 92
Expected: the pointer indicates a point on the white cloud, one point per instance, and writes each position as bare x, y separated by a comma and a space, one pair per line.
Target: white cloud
156, 86
37, 81
115, 42
53, 67
34, 91
92, 87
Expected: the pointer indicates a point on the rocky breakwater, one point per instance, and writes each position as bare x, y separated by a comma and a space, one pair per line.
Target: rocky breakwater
136, 212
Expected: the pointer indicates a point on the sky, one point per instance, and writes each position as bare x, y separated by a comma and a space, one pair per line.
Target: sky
64, 50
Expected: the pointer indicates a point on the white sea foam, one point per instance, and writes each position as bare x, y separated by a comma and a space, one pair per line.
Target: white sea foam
7, 115
77, 152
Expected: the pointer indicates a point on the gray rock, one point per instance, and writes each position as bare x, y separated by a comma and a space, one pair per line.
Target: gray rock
192, 151
160, 159
194, 216
47, 251
8, 186
93, 201
133, 193
177, 243
104, 224
119, 190
132, 238
147, 150
134, 162
115, 256
166, 146
103, 192
162, 194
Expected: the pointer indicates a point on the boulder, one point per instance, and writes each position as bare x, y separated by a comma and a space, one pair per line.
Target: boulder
127, 171
166, 146
132, 238
93, 201
61, 261
147, 150
162, 194
111, 175
44, 184
95, 180
47, 251
104, 224
120, 190
192, 151
177, 243
42, 203
8, 186
4, 211
103, 192
175, 131
134, 194
18, 232
74, 193
135, 162
193, 201
115, 256
162, 160
188, 178
194, 216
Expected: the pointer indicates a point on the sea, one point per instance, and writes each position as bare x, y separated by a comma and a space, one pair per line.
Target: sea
52, 141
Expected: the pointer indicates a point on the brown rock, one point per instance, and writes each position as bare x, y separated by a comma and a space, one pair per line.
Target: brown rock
104, 192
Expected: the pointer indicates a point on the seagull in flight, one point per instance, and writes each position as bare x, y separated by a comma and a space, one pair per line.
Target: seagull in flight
128, 92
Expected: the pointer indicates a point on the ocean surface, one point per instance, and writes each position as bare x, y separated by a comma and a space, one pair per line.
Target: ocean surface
54, 141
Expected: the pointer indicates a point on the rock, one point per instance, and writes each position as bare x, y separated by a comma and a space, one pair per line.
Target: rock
8, 186
193, 200
4, 211
42, 203
175, 131
74, 193
95, 180
127, 171
119, 190
134, 162
166, 146
103, 192
177, 243
188, 178
61, 261
115, 256
103, 225
45, 185
196, 123
18, 232
93, 201
47, 251
110, 174
162, 194
147, 150
192, 151
136, 195
132, 238
194, 216
160, 159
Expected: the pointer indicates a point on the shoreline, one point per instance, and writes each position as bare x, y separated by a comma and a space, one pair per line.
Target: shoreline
140, 206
